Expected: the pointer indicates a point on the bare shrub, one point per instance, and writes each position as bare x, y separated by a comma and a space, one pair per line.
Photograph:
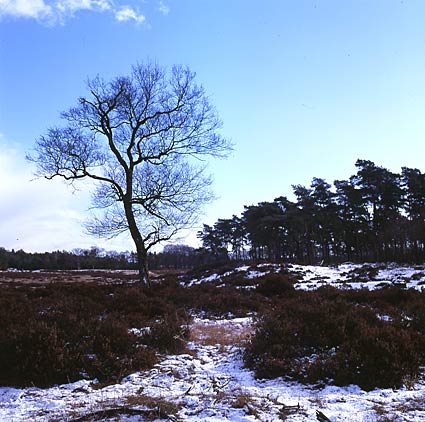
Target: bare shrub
275, 285
63, 332
221, 301
311, 338
169, 335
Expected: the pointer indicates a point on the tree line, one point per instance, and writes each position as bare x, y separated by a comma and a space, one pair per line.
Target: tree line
375, 215
172, 257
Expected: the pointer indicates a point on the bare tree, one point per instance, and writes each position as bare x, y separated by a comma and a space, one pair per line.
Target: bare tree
142, 138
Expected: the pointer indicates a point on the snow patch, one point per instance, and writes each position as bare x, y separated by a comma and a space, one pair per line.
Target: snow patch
210, 384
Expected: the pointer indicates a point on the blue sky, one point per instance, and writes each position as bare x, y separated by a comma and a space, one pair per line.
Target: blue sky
303, 87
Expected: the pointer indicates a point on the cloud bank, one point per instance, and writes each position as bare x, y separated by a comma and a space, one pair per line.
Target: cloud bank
54, 12
43, 215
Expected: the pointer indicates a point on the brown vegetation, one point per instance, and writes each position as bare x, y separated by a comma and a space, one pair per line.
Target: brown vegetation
372, 339
61, 332
54, 332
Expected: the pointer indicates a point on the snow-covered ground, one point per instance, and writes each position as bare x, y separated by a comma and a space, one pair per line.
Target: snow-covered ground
346, 275
209, 382
359, 275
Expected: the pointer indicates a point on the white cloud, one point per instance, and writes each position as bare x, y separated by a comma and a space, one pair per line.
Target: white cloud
127, 13
43, 215
57, 11
163, 8
72, 6
36, 9
34, 213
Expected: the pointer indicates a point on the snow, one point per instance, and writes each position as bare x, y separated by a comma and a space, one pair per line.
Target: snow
209, 383
347, 275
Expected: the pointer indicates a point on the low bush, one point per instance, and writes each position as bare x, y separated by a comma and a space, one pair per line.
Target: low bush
364, 273
60, 332
275, 284
115, 352
226, 300
312, 338
169, 335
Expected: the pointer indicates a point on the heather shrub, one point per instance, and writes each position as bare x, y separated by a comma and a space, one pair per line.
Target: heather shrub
364, 273
312, 338
377, 355
60, 333
239, 281
206, 298
43, 352
218, 301
274, 285
169, 335
287, 335
115, 352
202, 271
402, 305
33, 354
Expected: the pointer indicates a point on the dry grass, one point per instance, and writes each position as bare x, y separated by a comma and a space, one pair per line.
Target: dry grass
411, 405
317, 401
244, 400
79, 276
241, 400
391, 412
84, 276
387, 418
157, 403
219, 334
149, 408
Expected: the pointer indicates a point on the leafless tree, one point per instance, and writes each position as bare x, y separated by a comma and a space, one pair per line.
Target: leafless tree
142, 139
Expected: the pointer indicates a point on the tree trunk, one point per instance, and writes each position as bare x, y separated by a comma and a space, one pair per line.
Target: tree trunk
142, 255
142, 263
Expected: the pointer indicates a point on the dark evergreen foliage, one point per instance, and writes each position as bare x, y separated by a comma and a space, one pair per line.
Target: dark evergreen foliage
375, 215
